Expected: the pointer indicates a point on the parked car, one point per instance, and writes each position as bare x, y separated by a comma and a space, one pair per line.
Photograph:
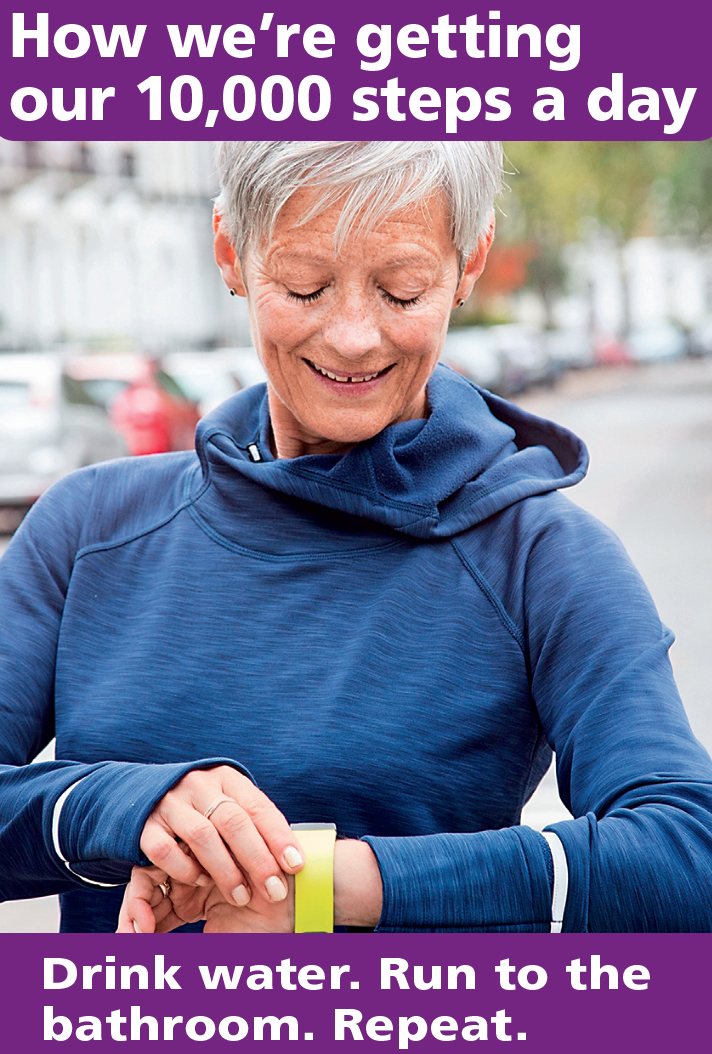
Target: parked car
146, 405
245, 364
472, 351
701, 339
609, 350
524, 357
570, 349
49, 425
207, 377
657, 342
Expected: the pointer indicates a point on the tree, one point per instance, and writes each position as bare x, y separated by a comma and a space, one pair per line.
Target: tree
627, 188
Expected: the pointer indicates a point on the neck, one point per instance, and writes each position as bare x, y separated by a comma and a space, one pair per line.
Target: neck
290, 440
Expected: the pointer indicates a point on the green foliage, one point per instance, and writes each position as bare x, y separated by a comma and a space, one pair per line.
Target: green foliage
690, 184
560, 189
561, 192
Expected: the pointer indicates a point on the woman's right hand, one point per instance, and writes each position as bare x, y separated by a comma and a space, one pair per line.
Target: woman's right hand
153, 903
244, 843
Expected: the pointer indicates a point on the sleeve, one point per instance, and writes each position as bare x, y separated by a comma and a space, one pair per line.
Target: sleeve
62, 824
638, 853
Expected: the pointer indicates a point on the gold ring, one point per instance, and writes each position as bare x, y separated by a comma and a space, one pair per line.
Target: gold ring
165, 887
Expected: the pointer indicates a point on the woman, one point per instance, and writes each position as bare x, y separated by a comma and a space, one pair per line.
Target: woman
367, 591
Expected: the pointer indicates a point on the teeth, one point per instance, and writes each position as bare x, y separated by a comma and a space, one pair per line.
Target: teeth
344, 380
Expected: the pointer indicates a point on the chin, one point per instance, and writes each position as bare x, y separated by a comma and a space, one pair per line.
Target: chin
351, 431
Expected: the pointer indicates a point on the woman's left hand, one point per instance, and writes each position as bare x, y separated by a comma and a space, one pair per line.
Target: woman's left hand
153, 903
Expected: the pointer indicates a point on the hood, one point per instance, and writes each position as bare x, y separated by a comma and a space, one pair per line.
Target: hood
473, 456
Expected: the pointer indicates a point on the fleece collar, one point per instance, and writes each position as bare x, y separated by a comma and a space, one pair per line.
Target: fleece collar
474, 455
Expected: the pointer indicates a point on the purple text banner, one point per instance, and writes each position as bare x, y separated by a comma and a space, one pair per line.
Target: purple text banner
513, 69
423, 993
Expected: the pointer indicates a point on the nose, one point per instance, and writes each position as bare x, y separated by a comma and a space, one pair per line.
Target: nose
352, 330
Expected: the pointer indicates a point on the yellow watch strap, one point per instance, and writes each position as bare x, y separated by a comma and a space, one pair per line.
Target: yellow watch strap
314, 884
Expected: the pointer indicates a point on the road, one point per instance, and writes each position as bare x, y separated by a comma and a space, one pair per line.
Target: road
649, 431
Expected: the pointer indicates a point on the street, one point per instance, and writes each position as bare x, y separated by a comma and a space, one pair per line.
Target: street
649, 431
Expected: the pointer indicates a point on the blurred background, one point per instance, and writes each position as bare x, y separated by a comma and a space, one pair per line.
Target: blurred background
595, 309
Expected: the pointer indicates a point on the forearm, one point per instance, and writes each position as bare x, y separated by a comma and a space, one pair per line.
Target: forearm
488, 881
643, 868
65, 824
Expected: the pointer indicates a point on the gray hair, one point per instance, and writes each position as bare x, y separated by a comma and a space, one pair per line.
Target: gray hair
374, 178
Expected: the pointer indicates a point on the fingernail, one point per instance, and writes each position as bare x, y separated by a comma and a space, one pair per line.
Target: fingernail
275, 888
203, 880
136, 926
292, 856
241, 895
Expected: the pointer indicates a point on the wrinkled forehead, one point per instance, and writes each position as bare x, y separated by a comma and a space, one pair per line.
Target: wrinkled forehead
416, 237
310, 226
349, 212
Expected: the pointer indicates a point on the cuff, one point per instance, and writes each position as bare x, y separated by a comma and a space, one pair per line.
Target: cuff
491, 881
98, 821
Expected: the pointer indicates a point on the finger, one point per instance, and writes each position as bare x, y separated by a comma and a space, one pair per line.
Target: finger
164, 914
183, 904
163, 908
136, 912
141, 917
172, 921
202, 788
159, 844
210, 852
142, 894
157, 897
238, 831
274, 829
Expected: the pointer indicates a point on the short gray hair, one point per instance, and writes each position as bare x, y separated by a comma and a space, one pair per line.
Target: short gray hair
376, 179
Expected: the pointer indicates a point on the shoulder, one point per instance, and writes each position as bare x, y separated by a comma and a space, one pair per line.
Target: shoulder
546, 554
114, 500
540, 528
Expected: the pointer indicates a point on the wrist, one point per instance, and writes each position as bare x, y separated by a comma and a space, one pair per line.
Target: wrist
358, 889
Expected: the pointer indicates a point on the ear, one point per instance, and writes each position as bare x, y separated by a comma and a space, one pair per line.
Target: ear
474, 266
226, 260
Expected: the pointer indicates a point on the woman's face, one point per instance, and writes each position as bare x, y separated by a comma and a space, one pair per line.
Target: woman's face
349, 341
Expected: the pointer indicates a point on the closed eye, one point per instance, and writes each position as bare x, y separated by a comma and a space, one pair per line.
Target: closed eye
305, 298
397, 302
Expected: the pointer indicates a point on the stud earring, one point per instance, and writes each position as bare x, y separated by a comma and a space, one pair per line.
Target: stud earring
460, 303
233, 293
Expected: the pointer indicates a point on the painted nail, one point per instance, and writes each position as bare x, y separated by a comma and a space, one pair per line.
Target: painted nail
241, 895
275, 888
136, 926
292, 856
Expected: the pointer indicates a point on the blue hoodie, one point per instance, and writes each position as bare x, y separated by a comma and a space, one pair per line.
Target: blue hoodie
393, 639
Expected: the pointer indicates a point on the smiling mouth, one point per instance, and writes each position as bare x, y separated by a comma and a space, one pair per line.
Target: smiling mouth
355, 378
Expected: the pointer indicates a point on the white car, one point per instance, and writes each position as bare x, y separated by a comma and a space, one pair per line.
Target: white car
472, 351
49, 425
657, 342
210, 377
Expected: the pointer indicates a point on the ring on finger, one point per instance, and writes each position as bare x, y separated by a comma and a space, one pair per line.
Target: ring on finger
218, 801
165, 888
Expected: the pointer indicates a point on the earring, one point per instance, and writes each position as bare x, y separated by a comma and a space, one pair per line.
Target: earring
233, 293
460, 303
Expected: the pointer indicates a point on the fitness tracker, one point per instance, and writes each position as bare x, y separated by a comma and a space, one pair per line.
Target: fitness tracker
314, 884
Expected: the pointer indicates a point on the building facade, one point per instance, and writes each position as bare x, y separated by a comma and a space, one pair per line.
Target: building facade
109, 244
